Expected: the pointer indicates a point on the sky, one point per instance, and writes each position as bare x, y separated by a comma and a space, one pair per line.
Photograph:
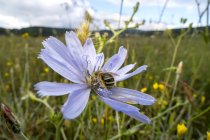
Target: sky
70, 13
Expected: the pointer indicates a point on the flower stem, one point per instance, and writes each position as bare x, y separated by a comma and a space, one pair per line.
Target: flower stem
137, 127
41, 101
200, 114
174, 55
23, 135
118, 123
58, 129
57, 133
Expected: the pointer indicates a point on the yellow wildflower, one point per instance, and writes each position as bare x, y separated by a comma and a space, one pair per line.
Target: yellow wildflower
6, 74
143, 89
102, 121
25, 35
162, 103
110, 118
155, 86
161, 87
150, 77
203, 98
94, 120
7, 87
208, 135
195, 95
181, 129
46, 70
8, 64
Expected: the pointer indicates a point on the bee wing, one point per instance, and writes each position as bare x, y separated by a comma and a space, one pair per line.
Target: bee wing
114, 74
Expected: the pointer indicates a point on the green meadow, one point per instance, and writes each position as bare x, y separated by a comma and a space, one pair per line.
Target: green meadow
178, 77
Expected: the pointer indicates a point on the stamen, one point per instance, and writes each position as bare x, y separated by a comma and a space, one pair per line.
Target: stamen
99, 59
86, 63
100, 62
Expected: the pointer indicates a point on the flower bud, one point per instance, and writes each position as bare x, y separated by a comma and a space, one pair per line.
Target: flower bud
179, 68
11, 121
135, 9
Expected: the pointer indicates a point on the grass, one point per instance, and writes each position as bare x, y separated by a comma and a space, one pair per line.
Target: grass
20, 70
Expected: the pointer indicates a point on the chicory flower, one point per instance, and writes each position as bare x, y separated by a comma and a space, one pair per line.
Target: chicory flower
86, 69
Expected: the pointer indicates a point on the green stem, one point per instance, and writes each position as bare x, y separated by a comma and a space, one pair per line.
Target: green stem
118, 123
174, 91
23, 135
115, 35
77, 132
200, 114
63, 134
169, 110
41, 101
58, 129
57, 133
136, 128
174, 55
178, 118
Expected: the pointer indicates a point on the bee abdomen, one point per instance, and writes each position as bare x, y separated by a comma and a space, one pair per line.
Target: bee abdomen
109, 80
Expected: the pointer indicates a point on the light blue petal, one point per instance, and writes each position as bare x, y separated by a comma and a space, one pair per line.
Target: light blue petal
60, 67
125, 69
73, 41
55, 50
76, 50
75, 103
99, 61
60, 52
89, 48
126, 76
116, 61
85, 56
126, 108
139, 116
131, 96
78, 58
56, 89
90, 52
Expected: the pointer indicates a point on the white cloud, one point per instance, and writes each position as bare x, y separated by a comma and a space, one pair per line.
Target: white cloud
126, 3
69, 13
10, 21
188, 6
153, 26
170, 4
54, 13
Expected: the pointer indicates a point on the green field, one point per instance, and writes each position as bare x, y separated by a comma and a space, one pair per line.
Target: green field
181, 98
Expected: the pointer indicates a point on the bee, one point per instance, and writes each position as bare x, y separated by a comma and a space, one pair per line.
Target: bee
104, 80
